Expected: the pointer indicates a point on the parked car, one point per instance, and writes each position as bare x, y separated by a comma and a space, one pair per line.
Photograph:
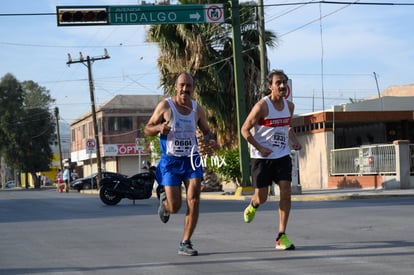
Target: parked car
91, 181
10, 184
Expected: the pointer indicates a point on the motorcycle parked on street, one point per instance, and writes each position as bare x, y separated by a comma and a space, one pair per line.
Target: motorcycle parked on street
136, 187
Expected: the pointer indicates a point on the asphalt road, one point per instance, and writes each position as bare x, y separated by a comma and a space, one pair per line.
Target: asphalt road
45, 232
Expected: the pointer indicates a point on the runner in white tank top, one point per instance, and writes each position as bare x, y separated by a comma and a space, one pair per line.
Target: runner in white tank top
181, 141
267, 130
176, 120
273, 131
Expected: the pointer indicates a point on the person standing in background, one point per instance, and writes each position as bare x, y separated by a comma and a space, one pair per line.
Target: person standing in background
60, 185
66, 178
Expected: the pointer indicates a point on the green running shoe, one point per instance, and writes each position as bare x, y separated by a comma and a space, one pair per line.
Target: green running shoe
283, 243
186, 249
249, 213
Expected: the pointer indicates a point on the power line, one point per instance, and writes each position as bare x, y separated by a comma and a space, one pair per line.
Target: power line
342, 3
316, 20
269, 5
27, 14
285, 13
300, 4
120, 45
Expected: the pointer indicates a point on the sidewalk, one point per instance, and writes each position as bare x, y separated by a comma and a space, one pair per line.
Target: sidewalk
320, 195
307, 195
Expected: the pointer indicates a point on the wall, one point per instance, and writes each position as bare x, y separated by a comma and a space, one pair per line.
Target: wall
376, 182
111, 165
314, 160
128, 165
87, 169
356, 182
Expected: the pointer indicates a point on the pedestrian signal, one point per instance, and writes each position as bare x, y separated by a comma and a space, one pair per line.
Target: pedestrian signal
81, 16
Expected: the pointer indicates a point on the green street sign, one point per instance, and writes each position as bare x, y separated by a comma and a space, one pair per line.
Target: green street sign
139, 15
165, 14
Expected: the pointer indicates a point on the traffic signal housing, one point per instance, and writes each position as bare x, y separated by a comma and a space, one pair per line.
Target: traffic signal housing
82, 15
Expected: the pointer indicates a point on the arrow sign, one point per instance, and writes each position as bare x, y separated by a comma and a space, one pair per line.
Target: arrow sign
195, 16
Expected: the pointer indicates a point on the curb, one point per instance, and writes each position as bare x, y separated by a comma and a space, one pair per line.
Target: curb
307, 197
299, 197
317, 197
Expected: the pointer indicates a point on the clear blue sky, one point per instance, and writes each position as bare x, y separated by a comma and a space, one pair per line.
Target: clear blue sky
334, 58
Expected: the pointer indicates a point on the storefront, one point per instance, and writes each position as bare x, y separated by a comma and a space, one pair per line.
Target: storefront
125, 158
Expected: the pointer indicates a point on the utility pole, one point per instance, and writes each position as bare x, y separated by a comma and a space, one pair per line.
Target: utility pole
378, 90
262, 46
88, 64
240, 92
58, 138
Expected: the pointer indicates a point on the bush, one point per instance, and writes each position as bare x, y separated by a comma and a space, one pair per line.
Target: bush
227, 165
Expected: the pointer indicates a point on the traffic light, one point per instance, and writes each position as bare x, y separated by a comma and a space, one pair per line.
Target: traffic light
82, 15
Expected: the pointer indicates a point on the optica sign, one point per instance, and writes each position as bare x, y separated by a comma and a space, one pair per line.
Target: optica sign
129, 149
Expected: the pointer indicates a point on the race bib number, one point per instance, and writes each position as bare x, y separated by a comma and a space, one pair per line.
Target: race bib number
182, 146
278, 140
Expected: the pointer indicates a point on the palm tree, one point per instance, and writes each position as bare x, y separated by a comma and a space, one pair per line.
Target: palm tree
205, 51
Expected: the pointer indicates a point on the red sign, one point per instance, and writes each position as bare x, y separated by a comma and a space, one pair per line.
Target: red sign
90, 146
127, 149
214, 13
288, 95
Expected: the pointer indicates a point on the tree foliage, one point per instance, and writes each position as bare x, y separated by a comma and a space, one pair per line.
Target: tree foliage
26, 125
230, 170
206, 51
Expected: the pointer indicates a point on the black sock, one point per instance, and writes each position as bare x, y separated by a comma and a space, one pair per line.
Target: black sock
254, 206
280, 235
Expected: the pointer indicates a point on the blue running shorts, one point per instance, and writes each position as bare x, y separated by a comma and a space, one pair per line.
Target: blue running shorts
172, 171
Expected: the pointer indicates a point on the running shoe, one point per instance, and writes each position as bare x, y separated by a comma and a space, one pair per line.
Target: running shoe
186, 249
249, 213
162, 212
283, 243
159, 190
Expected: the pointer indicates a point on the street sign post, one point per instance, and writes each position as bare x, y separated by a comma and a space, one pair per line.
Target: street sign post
139, 14
139, 142
90, 146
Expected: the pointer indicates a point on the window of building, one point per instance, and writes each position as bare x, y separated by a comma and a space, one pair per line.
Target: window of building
120, 123
84, 131
73, 135
90, 126
99, 125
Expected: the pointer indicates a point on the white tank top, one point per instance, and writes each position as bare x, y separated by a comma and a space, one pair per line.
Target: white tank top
273, 132
181, 140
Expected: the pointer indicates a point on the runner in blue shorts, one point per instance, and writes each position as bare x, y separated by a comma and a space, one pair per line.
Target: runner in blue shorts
176, 120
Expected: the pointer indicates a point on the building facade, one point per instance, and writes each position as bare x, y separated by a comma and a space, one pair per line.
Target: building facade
380, 120
120, 123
